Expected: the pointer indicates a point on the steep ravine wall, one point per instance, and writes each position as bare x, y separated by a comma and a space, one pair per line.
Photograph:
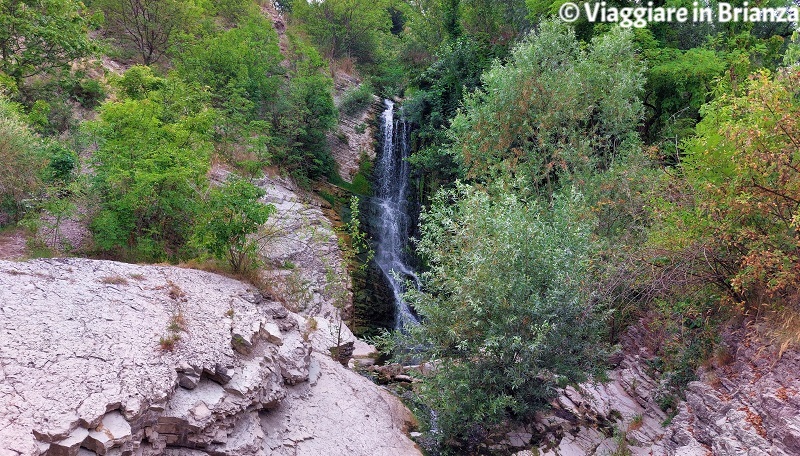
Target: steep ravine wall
84, 369
354, 136
744, 404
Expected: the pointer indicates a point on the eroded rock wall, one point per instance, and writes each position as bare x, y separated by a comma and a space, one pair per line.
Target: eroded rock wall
354, 136
301, 249
746, 405
596, 418
85, 369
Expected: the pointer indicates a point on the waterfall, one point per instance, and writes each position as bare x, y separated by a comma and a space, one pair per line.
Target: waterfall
391, 203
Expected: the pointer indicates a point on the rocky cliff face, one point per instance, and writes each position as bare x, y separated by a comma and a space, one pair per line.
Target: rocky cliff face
599, 418
306, 269
103, 358
354, 135
746, 405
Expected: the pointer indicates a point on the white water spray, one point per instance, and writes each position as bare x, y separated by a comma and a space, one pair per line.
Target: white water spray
391, 200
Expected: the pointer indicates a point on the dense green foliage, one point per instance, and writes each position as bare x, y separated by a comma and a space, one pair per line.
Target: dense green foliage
20, 161
554, 109
231, 215
441, 89
744, 188
150, 166
242, 69
309, 113
505, 317
346, 28
38, 37
576, 179
148, 27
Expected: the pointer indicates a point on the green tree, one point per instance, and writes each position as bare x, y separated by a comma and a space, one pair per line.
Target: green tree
139, 81
231, 217
241, 68
504, 316
554, 110
307, 114
346, 28
429, 23
743, 195
40, 36
150, 167
148, 26
21, 161
283, 120
678, 84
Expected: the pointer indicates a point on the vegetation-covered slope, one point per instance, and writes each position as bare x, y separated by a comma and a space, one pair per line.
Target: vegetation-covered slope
576, 178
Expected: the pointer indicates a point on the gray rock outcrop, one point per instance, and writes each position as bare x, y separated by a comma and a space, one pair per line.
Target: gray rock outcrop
299, 242
748, 405
355, 134
107, 358
305, 270
597, 418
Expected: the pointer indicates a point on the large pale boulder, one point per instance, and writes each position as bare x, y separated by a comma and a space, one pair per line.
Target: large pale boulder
99, 357
338, 412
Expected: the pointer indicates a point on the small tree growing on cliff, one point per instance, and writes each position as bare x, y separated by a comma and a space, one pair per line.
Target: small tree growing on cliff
233, 215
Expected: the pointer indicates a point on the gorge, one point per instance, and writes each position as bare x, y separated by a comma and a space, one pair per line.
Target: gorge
211, 213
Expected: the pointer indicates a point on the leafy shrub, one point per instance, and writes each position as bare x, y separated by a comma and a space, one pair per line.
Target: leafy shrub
49, 105
88, 92
740, 204
151, 162
20, 161
8, 86
514, 123
231, 217
41, 38
241, 67
39, 115
503, 313
62, 162
138, 81
312, 115
356, 99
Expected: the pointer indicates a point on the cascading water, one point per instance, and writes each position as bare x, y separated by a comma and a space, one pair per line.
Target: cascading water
391, 202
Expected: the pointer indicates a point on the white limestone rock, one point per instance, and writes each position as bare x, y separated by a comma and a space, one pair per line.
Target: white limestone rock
82, 369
